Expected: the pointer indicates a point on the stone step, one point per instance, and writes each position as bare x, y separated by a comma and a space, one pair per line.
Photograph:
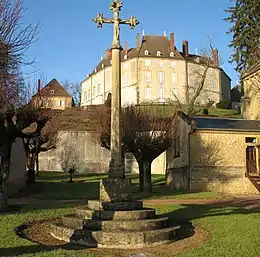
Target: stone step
116, 239
114, 225
86, 213
115, 206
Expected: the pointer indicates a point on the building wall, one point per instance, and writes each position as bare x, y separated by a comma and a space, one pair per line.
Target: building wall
151, 79
251, 99
57, 103
217, 163
225, 85
82, 150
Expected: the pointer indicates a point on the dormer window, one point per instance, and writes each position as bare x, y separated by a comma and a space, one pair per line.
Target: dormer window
158, 53
52, 92
96, 70
172, 54
111, 62
125, 57
103, 65
197, 59
146, 52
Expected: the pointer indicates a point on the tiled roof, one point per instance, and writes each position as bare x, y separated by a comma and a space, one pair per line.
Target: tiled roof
252, 70
226, 124
152, 44
53, 88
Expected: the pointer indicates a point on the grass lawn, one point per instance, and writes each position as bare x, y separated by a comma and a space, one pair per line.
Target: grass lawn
55, 186
234, 232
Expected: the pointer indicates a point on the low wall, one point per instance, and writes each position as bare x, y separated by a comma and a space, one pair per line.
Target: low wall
82, 150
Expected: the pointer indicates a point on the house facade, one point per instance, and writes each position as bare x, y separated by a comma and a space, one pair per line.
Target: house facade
216, 154
155, 70
52, 96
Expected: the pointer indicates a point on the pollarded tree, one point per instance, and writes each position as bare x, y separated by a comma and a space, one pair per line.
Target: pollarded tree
245, 20
146, 133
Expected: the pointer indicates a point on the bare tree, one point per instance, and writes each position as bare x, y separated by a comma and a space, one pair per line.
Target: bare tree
46, 140
199, 94
146, 133
15, 39
74, 89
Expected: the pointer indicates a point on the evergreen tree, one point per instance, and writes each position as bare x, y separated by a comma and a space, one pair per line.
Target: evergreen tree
245, 19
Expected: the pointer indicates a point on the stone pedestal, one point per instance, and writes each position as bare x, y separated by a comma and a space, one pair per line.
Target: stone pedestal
115, 190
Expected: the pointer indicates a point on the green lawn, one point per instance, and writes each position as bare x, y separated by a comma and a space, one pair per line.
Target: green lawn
55, 186
234, 232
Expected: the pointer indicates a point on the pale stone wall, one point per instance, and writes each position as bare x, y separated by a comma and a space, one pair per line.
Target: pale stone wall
17, 176
217, 163
55, 102
135, 83
88, 156
251, 103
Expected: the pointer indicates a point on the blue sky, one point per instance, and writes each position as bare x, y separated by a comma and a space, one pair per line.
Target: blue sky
70, 45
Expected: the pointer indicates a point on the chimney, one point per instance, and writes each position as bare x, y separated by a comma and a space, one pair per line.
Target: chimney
215, 57
138, 41
39, 86
172, 42
185, 48
107, 53
126, 47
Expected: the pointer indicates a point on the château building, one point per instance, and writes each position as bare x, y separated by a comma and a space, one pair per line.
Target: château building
156, 71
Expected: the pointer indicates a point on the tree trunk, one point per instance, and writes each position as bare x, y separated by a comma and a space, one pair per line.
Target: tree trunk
31, 169
37, 165
145, 175
4, 179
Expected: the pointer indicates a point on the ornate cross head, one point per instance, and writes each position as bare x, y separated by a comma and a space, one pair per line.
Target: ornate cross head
116, 5
99, 20
133, 22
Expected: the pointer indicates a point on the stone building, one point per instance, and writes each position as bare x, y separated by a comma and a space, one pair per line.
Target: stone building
155, 70
216, 154
53, 96
251, 99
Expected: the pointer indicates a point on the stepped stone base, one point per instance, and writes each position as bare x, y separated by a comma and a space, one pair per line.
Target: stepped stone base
114, 221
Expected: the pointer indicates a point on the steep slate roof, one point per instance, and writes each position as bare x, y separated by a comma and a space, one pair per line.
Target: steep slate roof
153, 44
226, 124
58, 90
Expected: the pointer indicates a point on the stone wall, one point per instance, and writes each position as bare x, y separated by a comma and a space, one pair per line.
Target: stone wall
17, 176
217, 163
81, 148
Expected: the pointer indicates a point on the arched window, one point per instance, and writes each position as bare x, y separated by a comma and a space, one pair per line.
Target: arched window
158, 53
146, 52
125, 57
172, 54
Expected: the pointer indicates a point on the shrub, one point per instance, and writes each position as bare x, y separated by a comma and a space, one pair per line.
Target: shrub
205, 111
223, 104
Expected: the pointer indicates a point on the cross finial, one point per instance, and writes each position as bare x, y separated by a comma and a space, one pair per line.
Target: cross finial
116, 21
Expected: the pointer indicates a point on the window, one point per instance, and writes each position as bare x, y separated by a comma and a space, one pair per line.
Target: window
126, 80
172, 54
250, 140
148, 63
111, 62
212, 83
161, 76
161, 94
95, 69
94, 91
173, 64
158, 53
161, 64
60, 103
173, 78
148, 76
98, 89
89, 94
52, 92
148, 93
103, 65
125, 57
146, 52
85, 96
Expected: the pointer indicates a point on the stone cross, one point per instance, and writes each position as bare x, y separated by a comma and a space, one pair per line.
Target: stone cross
116, 170
116, 8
